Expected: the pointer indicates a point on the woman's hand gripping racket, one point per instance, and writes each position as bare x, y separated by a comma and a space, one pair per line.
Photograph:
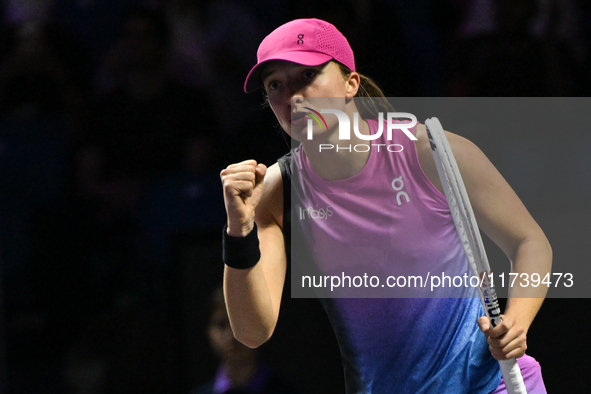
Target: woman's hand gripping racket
465, 222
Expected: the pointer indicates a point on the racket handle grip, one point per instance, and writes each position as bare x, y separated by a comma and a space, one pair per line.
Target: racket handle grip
512, 377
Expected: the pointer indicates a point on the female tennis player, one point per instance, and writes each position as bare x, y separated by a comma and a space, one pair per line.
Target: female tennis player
388, 345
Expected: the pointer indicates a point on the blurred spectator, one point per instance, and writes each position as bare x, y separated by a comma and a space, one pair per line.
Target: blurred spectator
135, 348
43, 68
43, 77
93, 21
201, 30
510, 60
189, 57
82, 254
233, 33
418, 24
404, 35
241, 369
43, 72
270, 12
173, 206
211, 47
20, 11
140, 130
559, 20
133, 136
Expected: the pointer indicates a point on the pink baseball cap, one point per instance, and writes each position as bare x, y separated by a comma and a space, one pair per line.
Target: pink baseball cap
310, 42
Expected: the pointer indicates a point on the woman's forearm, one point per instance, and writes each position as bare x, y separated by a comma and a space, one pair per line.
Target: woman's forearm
532, 263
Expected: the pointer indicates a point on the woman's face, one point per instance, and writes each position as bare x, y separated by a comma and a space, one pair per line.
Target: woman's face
288, 85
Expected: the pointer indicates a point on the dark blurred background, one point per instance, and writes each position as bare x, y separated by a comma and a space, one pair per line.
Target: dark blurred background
116, 117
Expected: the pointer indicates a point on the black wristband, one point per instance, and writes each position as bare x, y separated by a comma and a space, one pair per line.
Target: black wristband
240, 252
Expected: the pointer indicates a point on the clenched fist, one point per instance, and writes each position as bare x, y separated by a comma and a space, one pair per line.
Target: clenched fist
243, 187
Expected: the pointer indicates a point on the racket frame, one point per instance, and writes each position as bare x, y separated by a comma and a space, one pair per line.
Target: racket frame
467, 229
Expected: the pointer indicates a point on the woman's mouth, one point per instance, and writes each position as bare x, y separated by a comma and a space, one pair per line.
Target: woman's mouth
299, 118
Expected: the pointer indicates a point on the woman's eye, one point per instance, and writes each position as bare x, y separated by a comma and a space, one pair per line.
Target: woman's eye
272, 86
308, 74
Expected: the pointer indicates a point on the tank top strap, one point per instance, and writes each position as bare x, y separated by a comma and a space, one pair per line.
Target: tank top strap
285, 165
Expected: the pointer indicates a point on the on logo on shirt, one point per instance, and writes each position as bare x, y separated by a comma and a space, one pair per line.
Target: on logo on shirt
398, 185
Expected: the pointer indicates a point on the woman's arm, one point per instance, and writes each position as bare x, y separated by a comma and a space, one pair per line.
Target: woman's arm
253, 296
503, 217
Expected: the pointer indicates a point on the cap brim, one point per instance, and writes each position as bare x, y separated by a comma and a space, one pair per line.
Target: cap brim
253, 79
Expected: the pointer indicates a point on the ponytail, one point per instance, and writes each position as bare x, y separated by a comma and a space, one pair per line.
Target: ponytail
372, 98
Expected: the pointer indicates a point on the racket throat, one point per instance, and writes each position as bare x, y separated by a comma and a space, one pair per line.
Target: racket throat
493, 311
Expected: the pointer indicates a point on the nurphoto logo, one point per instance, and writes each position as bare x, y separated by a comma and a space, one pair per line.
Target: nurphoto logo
392, 123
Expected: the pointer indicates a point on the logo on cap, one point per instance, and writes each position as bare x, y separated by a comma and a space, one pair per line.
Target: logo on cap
300, 39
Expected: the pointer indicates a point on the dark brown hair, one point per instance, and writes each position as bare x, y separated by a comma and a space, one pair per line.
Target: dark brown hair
373, 98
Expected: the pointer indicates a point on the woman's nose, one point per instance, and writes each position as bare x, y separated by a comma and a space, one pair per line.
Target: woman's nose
297, 99
296, 89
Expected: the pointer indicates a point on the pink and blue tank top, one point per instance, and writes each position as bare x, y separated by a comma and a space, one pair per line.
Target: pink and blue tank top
390, 220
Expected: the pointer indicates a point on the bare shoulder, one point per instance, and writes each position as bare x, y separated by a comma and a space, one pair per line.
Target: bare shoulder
499, 211
270, 209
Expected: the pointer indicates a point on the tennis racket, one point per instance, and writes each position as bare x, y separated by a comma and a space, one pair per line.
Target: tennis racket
467, 228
